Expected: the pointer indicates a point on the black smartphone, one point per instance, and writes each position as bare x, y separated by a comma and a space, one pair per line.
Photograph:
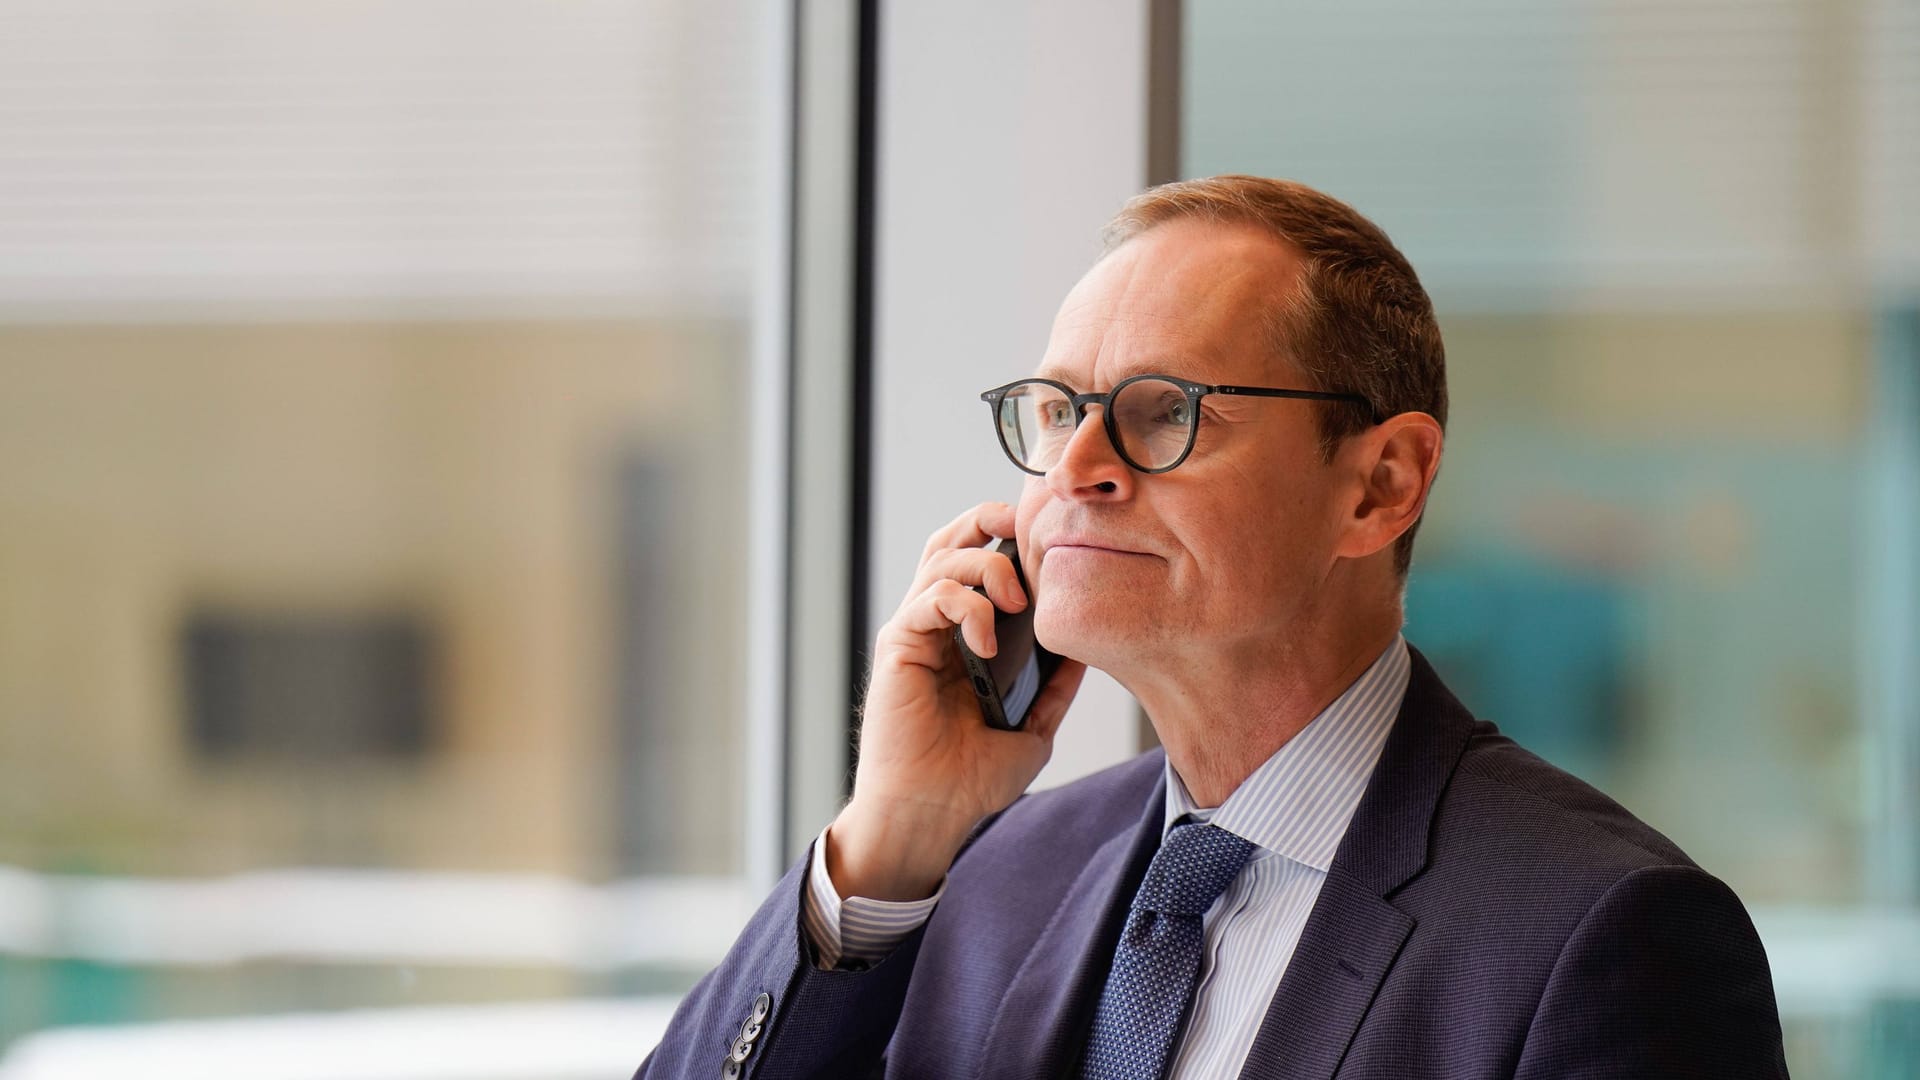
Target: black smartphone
1009, 681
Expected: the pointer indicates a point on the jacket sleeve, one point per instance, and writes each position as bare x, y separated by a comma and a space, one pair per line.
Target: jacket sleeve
769, 1012
1665, 976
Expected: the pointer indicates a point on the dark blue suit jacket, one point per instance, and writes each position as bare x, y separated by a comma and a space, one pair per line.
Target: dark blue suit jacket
1486, 915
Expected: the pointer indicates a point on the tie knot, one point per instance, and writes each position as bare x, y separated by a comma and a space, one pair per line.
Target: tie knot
1195, 864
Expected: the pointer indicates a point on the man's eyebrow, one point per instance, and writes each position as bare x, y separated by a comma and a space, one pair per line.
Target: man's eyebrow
1159, 365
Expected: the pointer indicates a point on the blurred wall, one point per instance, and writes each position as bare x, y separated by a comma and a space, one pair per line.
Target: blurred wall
1010, 132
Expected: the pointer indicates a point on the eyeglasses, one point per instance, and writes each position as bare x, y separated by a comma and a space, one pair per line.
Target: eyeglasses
1152, 419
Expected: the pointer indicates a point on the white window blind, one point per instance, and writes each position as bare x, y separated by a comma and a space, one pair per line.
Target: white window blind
1649, 145
406, 152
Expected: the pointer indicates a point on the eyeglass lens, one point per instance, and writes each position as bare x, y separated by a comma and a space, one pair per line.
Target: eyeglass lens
1152, 417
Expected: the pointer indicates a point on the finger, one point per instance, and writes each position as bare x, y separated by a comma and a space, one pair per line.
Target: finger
948, 603
975, 566
1043, 718
974, 528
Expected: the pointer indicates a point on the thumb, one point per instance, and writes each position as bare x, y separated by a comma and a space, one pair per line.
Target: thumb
1043, 719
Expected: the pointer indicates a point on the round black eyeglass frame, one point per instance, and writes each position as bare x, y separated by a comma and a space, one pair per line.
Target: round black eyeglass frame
1193, 390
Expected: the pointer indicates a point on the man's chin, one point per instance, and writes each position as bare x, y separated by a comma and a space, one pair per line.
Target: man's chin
1097, 639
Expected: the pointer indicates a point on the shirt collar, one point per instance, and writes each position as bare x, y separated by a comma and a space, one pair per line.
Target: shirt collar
1299, 801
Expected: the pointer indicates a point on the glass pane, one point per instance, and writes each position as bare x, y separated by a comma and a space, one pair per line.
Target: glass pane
1036, 421
1153, 420
373, 521
1670, 546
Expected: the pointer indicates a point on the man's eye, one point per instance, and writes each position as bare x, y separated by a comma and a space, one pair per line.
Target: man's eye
1057, 414
1175, 411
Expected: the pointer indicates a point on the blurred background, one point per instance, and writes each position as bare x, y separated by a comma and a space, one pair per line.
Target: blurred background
454, 454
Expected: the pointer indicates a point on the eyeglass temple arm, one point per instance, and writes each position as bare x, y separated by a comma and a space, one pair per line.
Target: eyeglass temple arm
1311, 395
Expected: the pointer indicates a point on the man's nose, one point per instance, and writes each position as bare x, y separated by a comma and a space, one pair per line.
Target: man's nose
1089, 466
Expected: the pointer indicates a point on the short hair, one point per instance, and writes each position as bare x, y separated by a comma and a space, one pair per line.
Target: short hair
1359, 322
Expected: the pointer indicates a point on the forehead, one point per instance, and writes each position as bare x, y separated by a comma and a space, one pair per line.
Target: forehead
1186, 298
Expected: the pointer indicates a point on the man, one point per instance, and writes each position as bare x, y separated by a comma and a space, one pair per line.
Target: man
1331, 868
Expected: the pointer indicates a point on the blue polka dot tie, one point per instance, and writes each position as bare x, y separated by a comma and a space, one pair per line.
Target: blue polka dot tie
1157, 963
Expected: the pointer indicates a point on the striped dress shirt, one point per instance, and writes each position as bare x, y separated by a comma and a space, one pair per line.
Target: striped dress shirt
1295, 808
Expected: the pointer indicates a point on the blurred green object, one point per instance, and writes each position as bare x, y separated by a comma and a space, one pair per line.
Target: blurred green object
1893, 1039
38, 992
88, 992
1535, 648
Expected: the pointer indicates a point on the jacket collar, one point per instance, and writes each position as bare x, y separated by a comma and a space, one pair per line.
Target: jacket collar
1354, 932
1386, 845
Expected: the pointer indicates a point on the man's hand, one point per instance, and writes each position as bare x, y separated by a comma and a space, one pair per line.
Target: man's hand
930, 767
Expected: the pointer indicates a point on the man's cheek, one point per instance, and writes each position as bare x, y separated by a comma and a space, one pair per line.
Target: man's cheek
1026, 508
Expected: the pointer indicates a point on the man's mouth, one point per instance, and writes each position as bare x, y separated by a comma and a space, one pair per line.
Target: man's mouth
1090, 543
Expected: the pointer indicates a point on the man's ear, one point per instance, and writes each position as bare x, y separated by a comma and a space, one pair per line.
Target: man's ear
1393, 465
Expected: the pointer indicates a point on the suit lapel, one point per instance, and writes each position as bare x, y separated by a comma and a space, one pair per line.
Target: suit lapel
1043, 1018
1354, 933
1345, 949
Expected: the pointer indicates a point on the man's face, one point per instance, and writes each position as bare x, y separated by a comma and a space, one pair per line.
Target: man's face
1225, 552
